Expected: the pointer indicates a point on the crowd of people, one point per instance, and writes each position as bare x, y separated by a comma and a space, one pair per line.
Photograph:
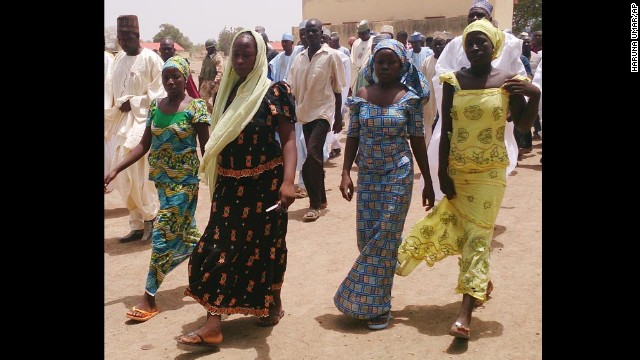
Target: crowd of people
459, 108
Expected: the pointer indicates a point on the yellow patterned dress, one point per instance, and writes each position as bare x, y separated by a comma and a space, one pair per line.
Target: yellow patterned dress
477, 162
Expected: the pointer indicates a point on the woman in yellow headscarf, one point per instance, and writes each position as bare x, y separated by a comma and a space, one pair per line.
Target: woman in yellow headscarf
473, 159
239, 263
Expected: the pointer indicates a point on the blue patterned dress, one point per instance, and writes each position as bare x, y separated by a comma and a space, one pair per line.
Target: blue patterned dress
385, 183
173, 167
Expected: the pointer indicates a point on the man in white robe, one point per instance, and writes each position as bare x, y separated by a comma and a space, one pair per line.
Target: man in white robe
133, 81
360, 52
453, 58
281, 64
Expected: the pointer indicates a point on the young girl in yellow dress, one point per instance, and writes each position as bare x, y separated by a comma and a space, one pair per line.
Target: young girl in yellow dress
476, 105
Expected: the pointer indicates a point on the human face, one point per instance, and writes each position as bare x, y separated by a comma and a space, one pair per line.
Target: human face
303, 37
478, 48
526, 46
334, 43
129, 41
537, 38
437, 46
287, 46
243, 55
313, 32
173, 81
167, 50
386, 65
477, 14
364, 35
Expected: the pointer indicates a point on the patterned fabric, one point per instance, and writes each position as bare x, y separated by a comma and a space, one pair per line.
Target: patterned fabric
479, 120
174, 231
477, 161
242, 256
179, 63
486, 27
409, 74
173, 157
385, 183
128, 23
173, 167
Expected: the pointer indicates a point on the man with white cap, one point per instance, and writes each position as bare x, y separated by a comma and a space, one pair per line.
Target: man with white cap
387, 29
453, 58
280, 65
419, 52
133, 81
360, 51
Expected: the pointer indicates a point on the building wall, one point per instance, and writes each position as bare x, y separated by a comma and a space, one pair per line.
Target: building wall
425, 16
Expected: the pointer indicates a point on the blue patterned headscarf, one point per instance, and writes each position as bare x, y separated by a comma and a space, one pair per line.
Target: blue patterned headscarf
409, 75
179, 63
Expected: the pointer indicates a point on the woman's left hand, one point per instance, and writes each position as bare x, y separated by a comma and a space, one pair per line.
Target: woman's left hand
520, 87
428, 196
287, 195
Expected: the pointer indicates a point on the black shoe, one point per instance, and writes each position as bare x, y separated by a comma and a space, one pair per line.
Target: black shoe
132, 236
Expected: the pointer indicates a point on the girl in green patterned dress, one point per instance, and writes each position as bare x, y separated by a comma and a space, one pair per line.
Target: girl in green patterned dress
172, 125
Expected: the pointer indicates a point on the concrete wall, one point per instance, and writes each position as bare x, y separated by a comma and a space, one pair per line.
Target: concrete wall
425, 16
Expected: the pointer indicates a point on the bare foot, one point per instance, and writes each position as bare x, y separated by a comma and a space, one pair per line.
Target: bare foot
198, 338
144, 308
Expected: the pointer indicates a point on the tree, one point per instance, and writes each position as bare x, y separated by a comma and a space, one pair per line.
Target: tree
224, 39
174, 32
527, 13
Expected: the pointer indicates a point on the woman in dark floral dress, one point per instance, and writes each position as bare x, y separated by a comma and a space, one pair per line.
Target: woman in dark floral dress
239, 263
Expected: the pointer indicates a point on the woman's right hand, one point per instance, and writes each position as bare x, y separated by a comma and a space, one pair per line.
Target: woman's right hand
346, 186
446, 184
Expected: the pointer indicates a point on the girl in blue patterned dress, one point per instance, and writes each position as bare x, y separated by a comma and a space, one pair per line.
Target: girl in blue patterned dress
172, 125
383, 114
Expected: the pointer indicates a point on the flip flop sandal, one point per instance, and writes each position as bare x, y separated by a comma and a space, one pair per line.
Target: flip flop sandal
146, 315
264, 321
311, 215
199, 345
460, 331
384, 317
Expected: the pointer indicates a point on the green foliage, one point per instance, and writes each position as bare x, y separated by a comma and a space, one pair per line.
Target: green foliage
174, 32
527, 13
224, 39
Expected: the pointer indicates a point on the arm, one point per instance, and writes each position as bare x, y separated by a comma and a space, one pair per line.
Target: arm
135, 155
523, 113
337, 117
350, 151
202, 129
287, 133
419, 149
219, 70
446, 183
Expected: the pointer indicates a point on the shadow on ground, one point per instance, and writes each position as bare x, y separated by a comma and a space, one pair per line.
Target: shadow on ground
166, 300
431, 320
113, 246
115, 213
239, 333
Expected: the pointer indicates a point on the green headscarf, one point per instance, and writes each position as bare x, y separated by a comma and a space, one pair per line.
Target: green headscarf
179, 63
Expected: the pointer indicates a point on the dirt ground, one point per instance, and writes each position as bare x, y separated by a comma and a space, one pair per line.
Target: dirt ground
509, 326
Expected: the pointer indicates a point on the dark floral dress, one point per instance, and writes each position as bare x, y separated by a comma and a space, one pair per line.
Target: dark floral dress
242, 255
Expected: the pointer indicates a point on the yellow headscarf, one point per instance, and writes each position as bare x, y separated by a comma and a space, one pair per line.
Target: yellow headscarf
486, 27
227, 124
